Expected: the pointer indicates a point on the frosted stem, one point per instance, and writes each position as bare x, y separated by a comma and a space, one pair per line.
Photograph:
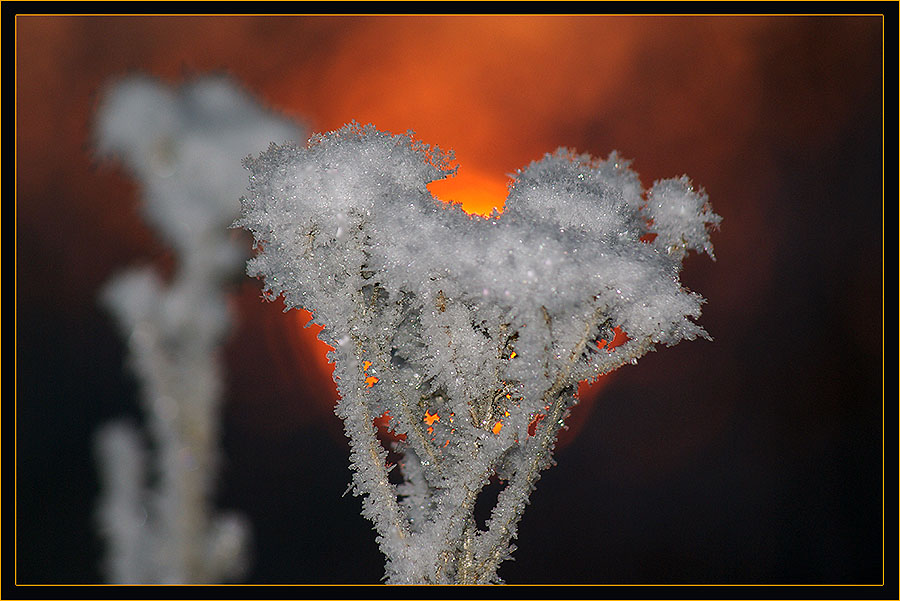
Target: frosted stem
184, 147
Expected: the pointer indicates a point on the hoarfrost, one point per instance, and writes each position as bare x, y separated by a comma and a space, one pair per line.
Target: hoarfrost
478, 330
184, 146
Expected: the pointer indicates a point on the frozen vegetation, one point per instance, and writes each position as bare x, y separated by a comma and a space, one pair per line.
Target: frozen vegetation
184, 146
468, 334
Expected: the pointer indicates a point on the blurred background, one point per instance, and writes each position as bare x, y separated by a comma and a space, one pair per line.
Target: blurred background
756, 458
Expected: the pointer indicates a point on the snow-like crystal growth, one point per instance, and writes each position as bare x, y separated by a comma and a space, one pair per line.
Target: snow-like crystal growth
184, 145
681, 216
470, 333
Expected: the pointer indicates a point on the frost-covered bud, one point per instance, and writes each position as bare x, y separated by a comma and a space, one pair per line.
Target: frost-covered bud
580, 193
185, 146
680, 216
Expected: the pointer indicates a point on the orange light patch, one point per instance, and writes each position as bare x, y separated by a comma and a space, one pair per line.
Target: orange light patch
382, 422
497, 427
308, 335
370, 380
619, 338
467, 97
533, 424
429, 419
477, 192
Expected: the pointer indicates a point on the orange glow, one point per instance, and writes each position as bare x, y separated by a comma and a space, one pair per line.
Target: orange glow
499, 425
381, 423
532, 426
495, 100
478, 192
310, 336
499, 100
500, 91
430, 418
619, 338
588, 394
370, 380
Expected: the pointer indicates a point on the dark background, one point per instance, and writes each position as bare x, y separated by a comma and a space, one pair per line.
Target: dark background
756, 458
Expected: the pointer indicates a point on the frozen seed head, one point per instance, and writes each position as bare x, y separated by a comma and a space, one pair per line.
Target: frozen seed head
352, 208
468, 334
185, 146
681, 216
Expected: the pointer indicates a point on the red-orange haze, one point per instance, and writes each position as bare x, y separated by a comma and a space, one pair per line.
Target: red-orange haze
499, 91
493, 89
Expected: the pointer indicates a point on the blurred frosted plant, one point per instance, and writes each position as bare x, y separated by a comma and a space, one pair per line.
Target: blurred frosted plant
469, 334
185, 147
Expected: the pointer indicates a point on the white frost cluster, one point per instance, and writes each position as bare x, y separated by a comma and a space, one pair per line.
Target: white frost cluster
470, 333
184, 146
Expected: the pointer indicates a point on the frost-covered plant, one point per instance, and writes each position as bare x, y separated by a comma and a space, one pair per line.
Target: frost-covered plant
185, 146
469, 334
